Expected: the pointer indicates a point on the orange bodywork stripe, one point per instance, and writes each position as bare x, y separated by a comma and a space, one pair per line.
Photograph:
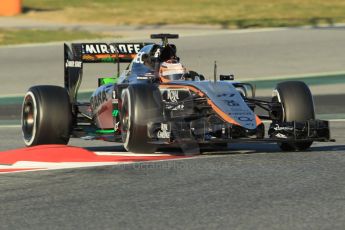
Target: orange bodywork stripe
223, 115
258, 120
164, 80
195, 90
94, 57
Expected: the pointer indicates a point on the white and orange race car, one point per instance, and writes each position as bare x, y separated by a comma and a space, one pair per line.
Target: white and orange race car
157, 102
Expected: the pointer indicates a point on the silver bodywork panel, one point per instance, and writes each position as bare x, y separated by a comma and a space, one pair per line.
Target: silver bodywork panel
227, 98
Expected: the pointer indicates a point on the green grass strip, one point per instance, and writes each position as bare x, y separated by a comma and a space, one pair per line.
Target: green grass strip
228, 13
15, 36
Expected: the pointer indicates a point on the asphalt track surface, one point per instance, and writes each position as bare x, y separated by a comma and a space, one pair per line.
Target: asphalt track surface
252, 186
247, 187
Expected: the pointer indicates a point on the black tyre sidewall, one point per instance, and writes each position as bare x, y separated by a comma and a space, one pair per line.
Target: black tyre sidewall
297, 101
54, 116
145, 107
298, 105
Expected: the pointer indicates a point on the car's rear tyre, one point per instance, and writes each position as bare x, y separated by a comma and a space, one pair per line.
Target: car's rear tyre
46, 116
297, 105
141, 104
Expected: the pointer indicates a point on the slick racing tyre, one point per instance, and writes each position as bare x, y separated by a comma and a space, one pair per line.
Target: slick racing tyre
141, 104
46, 116
297, 105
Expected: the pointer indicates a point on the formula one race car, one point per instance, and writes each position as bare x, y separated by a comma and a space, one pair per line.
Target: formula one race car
157, 102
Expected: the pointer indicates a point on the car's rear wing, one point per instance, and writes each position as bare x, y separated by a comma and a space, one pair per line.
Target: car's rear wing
77, 54
104, 52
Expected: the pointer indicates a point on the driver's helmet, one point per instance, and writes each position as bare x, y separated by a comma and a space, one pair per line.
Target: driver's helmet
172, 70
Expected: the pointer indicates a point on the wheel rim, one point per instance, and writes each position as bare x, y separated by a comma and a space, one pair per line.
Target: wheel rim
277, 98
125, 118
29, 117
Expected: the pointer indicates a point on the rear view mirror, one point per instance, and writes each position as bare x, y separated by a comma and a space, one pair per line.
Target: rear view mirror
229, 77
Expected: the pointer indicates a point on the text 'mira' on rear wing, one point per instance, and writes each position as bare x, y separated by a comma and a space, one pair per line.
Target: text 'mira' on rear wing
79, 53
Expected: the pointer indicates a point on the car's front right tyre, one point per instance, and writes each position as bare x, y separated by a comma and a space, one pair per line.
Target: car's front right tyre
297, 105
141, 105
